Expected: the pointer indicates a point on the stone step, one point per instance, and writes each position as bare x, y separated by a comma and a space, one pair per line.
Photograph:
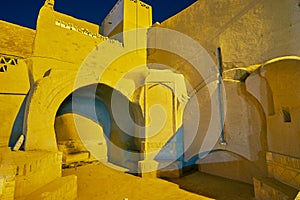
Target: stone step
270, 188
116, 167
169, 169
132, 166
64, 188
76, 157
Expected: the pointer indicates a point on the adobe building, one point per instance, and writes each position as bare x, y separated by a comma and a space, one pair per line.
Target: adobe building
215, 86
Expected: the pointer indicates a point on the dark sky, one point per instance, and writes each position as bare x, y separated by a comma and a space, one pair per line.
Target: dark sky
25, 12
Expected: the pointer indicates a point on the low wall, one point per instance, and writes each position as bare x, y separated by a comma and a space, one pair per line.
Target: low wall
284, 168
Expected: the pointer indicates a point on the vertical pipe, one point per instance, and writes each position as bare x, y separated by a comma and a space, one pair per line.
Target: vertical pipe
219, 56
145, 140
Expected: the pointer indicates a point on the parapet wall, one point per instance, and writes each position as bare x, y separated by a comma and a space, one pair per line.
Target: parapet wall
28, 171
284, 168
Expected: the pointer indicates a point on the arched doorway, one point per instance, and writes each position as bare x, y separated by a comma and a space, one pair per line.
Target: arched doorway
82, 127
86, 129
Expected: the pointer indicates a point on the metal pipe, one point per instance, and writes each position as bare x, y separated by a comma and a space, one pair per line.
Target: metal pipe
219, 56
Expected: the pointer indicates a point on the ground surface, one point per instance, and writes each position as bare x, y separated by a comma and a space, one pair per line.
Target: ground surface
97, 181
215, 187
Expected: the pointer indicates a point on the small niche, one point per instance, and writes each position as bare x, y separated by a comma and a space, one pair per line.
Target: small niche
286, 116
17, 171
24, 170
47, 73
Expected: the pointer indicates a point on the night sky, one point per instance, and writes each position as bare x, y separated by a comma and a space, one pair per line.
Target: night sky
25, 12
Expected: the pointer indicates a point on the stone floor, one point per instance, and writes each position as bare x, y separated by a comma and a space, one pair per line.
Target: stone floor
96, 181
215, 187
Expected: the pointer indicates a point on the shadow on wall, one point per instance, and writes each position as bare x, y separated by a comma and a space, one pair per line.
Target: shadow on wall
229, 165
17, 129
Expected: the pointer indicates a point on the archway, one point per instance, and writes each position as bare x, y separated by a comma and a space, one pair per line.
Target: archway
51, 102
82, 127
46, 98
86, 129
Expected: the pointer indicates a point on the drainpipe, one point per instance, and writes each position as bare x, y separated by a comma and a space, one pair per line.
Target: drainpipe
219, 56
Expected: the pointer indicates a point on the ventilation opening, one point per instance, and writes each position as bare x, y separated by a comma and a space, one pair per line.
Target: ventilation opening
286, 116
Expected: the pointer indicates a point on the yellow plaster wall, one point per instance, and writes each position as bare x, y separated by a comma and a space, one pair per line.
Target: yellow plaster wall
137, 20
249, 32
75, 38
137, 15
127, 15
7, 182
16, 43
16, 40
62, 39
244, 124
48, 93
276, 86
246, 27
10, 105
30, 170
76, 133
159, 118
245, 135
15, 76
12, 96
61, 45
245, 130
283, 78
259, 87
